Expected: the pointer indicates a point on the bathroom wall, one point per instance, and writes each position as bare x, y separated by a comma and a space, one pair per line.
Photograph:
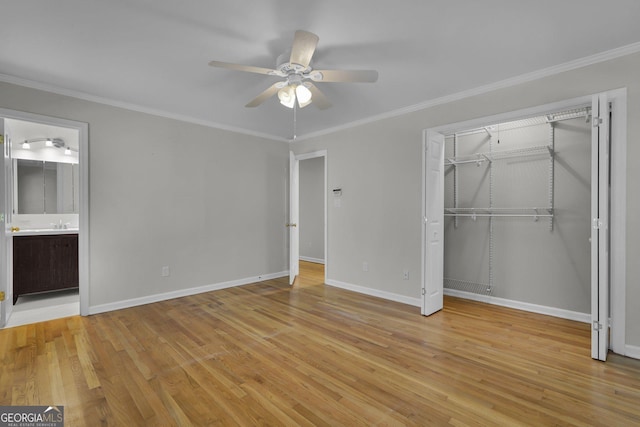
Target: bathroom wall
28, 192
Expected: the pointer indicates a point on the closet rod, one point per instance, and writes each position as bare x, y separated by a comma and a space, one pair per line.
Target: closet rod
479, 158
532, 210
498, 215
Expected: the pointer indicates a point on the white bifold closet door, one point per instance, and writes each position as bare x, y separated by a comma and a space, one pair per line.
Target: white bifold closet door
433, 223
600, 227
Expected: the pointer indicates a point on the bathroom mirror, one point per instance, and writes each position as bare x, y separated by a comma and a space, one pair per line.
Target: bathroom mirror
45, 187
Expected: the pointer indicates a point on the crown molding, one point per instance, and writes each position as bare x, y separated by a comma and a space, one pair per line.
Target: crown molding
513, 81
132, 107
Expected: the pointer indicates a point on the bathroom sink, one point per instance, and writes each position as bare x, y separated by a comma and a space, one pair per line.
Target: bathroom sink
40, 231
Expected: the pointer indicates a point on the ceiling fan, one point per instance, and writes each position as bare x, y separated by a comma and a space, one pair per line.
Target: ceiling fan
299, 76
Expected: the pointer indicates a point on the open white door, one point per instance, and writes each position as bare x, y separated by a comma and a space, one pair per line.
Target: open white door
433, 223
6, 239
294, 237
600, 228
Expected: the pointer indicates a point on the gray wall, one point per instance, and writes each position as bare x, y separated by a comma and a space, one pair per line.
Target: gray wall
378, 165
531, 263
311, 221
208, 203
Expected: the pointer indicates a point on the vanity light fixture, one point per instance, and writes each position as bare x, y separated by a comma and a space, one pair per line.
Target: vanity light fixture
48, 142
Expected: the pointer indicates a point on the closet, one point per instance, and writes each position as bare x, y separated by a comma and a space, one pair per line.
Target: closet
517, 211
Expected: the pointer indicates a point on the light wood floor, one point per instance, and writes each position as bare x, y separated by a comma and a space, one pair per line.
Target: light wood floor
270, 354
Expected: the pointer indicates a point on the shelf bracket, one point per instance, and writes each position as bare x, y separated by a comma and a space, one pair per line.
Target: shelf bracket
551, 150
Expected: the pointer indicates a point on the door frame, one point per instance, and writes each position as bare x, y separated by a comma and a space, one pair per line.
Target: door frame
617, 204
296, 197
83, 214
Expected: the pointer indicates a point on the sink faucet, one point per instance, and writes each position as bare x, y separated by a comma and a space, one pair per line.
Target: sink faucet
57, 226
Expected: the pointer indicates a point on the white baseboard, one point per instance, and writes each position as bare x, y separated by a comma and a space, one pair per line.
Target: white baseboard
182, 293
632, 351
375, 293
19, 318
310, 259
525, 306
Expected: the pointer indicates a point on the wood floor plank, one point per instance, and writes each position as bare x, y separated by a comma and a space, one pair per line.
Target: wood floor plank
311, 354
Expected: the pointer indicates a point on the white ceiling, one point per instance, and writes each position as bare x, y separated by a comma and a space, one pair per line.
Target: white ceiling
152, 55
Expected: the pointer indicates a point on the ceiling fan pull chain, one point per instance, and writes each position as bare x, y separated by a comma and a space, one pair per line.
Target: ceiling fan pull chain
295, 120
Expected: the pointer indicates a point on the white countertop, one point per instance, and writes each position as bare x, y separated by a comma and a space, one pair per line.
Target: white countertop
43, 231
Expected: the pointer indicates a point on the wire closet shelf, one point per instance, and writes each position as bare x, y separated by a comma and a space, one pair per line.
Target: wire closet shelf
540, 151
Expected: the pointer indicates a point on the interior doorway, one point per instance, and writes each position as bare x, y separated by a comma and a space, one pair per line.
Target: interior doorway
311, 274
43, 194
308, 214
612, 281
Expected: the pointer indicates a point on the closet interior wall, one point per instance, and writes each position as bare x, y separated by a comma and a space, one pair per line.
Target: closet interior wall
517, 211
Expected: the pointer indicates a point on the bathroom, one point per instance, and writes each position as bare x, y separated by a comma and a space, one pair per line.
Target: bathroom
43, 220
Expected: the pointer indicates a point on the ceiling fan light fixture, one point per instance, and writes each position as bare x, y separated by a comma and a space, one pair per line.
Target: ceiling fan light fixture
303, 94
287, 96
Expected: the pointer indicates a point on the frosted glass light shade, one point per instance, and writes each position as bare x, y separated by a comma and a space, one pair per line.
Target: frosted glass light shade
303, 94
287, 96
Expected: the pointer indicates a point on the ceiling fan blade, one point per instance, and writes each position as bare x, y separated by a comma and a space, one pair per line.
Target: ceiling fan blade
271, 90
304, 44
317, 97
346, 76
239, 67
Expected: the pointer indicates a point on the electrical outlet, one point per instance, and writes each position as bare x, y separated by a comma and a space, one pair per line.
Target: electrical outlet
365, 266
165, 271
405, 275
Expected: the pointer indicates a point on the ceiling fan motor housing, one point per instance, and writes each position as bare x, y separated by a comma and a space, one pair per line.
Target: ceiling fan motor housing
286, 68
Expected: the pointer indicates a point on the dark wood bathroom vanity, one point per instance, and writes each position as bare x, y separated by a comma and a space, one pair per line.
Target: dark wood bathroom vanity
44, 263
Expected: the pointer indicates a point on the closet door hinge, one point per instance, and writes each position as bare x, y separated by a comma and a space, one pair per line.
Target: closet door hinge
597, 121
2, 297
423, 291
597, 325
597, 224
